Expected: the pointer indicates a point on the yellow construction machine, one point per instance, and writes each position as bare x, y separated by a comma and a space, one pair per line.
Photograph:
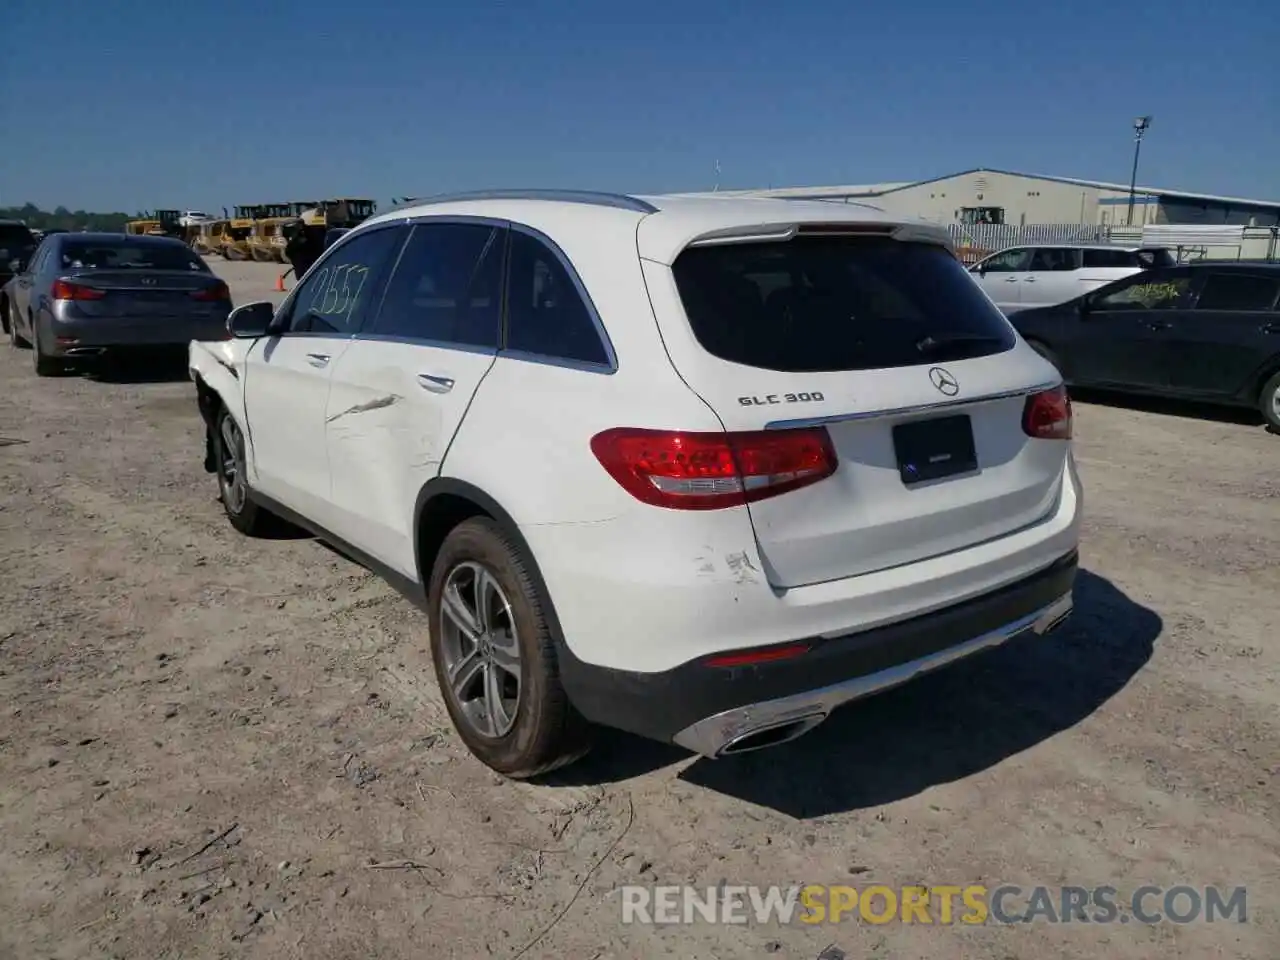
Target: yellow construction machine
235, 238
266, 239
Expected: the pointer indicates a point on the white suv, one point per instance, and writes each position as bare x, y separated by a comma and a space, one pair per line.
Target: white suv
701, 469
1044, 275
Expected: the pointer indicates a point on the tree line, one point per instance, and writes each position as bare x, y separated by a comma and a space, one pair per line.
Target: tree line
64, 219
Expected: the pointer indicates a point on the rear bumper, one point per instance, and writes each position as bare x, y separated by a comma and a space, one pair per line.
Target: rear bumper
715, 710
71, 338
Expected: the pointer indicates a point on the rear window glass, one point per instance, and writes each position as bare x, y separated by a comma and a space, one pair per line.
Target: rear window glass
106, 255
836, 303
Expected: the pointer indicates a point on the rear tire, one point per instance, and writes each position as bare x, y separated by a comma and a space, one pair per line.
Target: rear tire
505, 699
1269, 402
15, 339
233, 486
44, 366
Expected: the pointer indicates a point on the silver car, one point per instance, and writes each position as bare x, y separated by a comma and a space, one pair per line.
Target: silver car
86, 295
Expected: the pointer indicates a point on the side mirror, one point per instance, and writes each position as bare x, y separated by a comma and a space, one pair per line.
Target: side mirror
1084, 305
17, 265
251, 321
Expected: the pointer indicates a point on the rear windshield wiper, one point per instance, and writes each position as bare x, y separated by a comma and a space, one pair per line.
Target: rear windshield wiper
933, 344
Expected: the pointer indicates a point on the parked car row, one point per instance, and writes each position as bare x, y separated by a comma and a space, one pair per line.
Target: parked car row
700, 469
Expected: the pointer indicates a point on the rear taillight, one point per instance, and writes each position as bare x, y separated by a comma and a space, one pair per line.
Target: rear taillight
708, 471
66, 290
1047, 415
215, 291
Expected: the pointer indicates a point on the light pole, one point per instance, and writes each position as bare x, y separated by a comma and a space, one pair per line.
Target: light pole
1140, 126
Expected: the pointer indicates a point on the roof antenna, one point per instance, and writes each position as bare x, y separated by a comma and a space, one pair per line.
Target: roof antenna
716, 188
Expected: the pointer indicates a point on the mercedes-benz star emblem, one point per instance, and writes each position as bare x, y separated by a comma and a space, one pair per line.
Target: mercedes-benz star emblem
943, 380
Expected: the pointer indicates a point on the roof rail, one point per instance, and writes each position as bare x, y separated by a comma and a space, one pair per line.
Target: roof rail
619, 201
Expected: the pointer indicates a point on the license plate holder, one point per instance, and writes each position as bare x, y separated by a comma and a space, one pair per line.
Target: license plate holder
934, 449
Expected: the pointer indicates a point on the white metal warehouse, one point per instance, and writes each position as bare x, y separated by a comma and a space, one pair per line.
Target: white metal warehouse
1005, 197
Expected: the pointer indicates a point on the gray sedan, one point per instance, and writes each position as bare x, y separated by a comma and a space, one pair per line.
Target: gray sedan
85, 295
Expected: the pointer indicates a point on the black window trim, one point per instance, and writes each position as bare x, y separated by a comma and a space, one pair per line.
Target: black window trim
286, 306
1208, 274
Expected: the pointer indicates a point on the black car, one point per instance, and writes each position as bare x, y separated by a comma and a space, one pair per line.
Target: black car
1204, 331
16, 243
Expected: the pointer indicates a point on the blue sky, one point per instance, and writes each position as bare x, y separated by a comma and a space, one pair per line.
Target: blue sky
122, 104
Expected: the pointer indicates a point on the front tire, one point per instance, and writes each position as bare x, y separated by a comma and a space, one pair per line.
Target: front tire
1269, 402
233, 486
495, 655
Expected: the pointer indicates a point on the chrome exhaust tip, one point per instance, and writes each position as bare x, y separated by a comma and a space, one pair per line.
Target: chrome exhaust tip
770, 735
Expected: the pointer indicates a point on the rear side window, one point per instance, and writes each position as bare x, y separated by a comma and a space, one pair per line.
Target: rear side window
546, 315
1055, 259
447, 286
836, 303
1227, 292
1101, 259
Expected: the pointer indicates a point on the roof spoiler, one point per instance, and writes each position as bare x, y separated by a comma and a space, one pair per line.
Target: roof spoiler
780, 233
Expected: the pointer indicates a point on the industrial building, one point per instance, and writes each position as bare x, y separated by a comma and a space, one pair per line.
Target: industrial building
986, 196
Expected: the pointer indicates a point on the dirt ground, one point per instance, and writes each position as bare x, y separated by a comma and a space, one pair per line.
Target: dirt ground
216, 747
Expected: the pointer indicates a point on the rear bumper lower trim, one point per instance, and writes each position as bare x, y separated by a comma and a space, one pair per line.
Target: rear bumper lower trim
712, 735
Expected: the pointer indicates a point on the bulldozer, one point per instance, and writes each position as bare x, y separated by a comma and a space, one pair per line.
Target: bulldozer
235, 237
266, 238
208, 237
158, 223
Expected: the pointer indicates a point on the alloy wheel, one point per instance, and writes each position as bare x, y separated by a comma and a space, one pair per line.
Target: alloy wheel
481, 649
230, 469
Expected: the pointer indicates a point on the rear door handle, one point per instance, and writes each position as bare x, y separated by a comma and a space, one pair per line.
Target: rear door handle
1029, 280
434, 384
317, 359
1157, 325
1011, 280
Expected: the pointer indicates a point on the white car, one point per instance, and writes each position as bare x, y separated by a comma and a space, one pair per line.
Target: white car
193, 218
1045, 275
703, 469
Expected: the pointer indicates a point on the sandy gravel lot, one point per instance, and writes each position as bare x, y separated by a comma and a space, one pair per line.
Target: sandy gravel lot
206, 742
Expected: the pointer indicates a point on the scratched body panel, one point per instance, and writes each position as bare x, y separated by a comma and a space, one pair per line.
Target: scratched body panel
387, 434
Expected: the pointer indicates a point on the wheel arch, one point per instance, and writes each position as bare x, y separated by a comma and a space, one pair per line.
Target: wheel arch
443, 503
1266, 371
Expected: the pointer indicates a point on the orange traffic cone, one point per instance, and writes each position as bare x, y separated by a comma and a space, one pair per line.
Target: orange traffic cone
280, 282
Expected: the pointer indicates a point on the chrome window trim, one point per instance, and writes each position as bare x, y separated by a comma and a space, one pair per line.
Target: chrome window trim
910, 410
608, 368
